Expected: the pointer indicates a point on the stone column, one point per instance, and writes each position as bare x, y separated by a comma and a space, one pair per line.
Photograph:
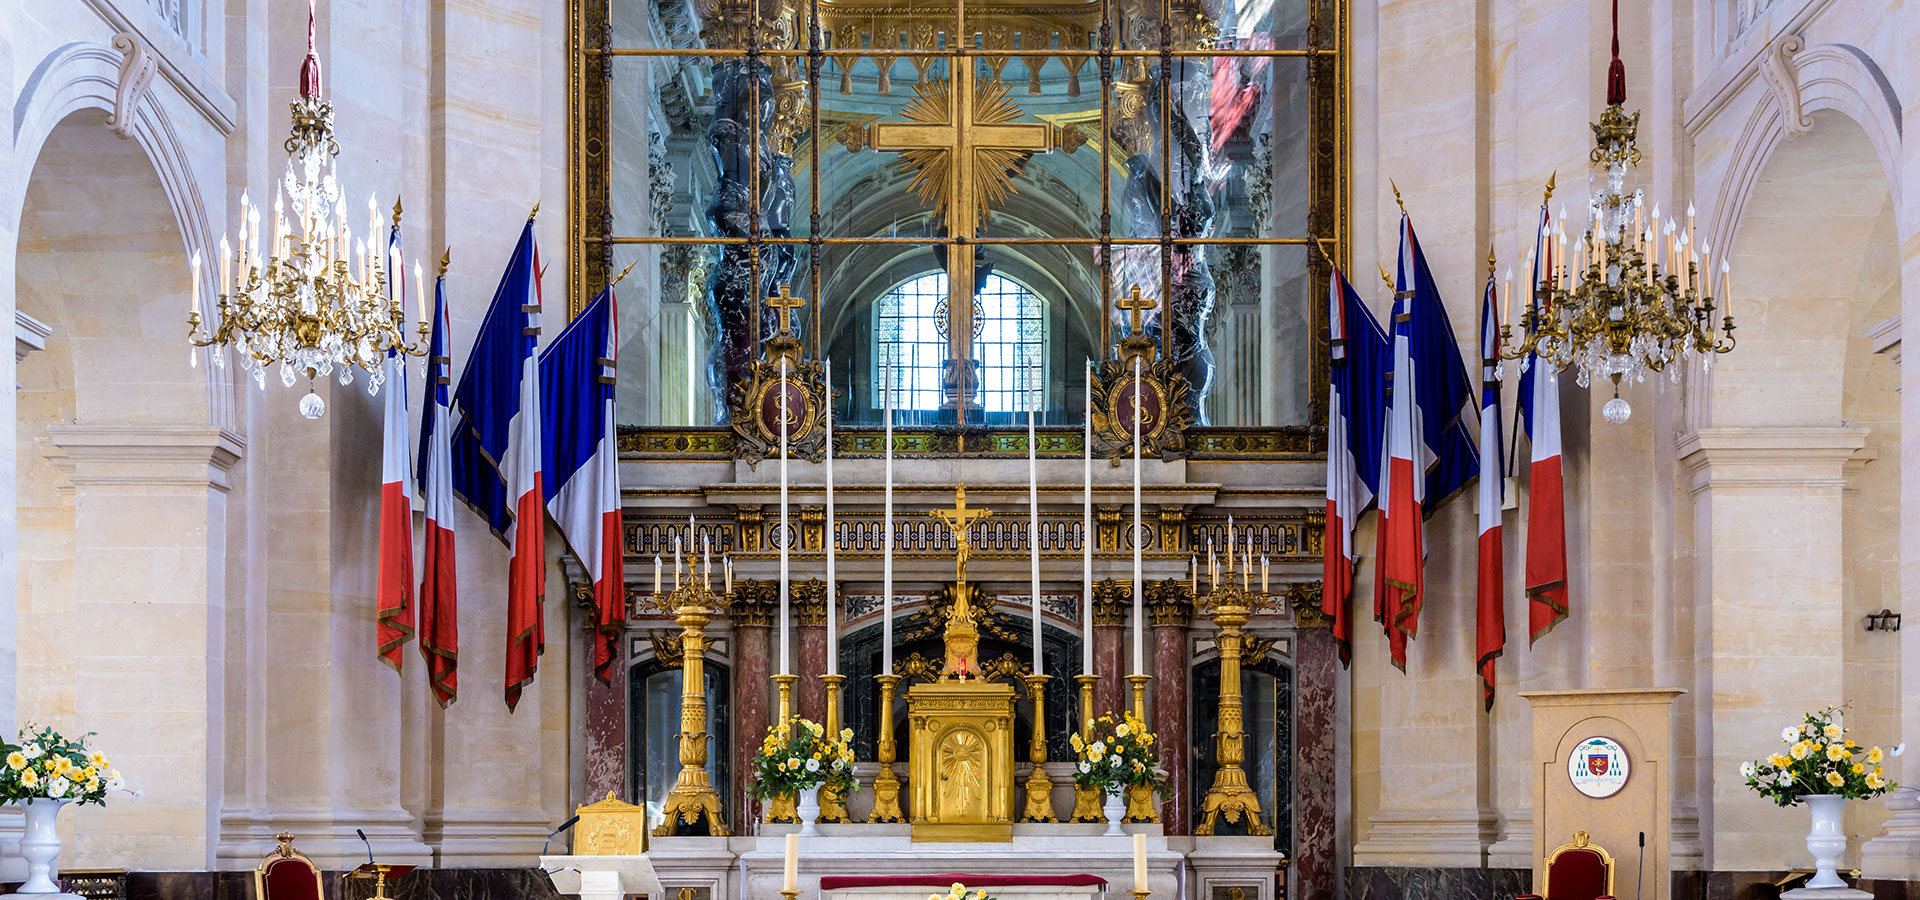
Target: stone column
150, 522
1767, 530
1170, 609
1112, 600
1316, 679
810, 619
1895, 854
752, 609
608, 753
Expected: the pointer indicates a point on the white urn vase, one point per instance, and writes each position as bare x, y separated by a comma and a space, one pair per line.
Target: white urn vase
1116, 808
1826, 841
40, 847
809, 809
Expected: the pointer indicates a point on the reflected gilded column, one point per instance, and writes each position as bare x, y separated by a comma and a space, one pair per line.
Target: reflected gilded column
692, 798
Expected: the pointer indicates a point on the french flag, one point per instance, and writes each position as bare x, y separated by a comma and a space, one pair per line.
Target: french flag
496, 450
1401, 554
439, 595
394, 594
582, 478
1546, 491
1490, 633
1356, 401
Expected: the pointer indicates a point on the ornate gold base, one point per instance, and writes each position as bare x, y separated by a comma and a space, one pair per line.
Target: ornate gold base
833, 806
833, 802
1140, 805
1039, 798
782, 809
789, 893
1140, 894
1232, 798
691, 799
1086, 805
886, 797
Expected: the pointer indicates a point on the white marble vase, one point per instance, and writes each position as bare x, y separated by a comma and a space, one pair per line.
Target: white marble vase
809, 809
40, 846
1116, 808
1826, 841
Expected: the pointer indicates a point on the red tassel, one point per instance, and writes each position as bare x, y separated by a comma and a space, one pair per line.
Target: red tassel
1616, 70
310, 68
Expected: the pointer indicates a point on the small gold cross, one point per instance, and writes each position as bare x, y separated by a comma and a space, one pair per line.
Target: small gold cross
785, 301
1135, 304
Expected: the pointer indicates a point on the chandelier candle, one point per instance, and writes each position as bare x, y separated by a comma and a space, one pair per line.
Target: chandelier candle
833, 633
1033, 532
786, 660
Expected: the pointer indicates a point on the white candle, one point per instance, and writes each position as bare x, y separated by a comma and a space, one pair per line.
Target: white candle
833, 631
676, 559
1139, 602
1086, 536
886, 531
656, 573
195, 301
706, 560
420, 291
792, 874
785, 649
1139, 861
1033, 533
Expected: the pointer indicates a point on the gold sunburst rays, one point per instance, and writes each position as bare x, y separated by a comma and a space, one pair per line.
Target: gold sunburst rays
994, 167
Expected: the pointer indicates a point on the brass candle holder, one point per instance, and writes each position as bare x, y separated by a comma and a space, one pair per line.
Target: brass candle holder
886, 785
789, 893
1140, 893
693, 797
1086, 800
1140, 805
784, 808
1039, 786
1230, 795
833, 803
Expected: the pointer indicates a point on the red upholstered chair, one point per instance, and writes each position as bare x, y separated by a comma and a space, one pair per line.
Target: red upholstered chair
286, 875
1577, 871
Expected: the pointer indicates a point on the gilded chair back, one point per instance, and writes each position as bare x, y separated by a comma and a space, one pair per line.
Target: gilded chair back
286, 875
1579, 870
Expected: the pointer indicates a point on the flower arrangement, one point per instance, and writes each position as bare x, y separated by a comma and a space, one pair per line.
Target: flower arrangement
959, 892
1116, 754
1819, 760
47, 765
798, 756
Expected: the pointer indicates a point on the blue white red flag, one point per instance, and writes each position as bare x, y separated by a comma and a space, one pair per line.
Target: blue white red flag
1546, 489
582, 478
1356, 411
1490, 633
496, 450
439, 593
394, 593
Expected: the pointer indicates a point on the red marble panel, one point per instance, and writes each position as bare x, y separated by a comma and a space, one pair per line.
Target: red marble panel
1169, 692
750, 716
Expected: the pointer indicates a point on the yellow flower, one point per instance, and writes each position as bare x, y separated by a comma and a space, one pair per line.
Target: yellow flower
1875, 755
1146, 740
1799, 750
1878, 772
1859, 769
1122, 731
1836, 753
1078, 744
29, 778
1876, 782
846, 734
1850, 744
86, 774
816, 754
1833, 778
17, 760
1094, 756
97, 760
1778, 761
959, 888
93, 784
1832, 731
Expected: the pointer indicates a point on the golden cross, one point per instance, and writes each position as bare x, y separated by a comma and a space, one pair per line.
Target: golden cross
971, 145
784, 302
1135, 305
960, 519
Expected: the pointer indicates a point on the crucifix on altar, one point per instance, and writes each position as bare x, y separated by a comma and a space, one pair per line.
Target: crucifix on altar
963, 148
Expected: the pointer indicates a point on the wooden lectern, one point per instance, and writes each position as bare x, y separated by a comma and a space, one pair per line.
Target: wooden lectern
1603, 768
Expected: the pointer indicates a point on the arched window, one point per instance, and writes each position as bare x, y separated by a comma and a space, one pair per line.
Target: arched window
1009, 339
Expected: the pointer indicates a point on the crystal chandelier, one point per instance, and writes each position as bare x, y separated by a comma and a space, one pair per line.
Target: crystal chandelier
318, 302
1639, 293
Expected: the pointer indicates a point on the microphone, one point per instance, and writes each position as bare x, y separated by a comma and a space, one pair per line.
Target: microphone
363, 840
1640, 873
556, 833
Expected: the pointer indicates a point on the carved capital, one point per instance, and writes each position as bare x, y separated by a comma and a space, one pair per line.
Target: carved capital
809, 600
1169, 603
1112, 600
754, 603
1303, 597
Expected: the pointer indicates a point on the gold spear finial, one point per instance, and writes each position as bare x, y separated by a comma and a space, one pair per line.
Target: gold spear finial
1490, 260
396, 211
536, 211
1550, 180
1322, 247
1384, 276
446, 258
1396, 196
623, 274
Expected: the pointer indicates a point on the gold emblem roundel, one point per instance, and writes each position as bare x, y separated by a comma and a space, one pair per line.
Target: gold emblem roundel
1152, 405
770, 400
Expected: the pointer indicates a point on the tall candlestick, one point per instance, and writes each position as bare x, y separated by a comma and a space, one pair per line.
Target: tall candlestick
792, 873
833, 632
886, 531
1139, 601
785, 625
1086, 536
1139, 861
1033, 534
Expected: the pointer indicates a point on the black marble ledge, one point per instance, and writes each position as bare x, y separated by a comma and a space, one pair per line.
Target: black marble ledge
1422, 883
421, 884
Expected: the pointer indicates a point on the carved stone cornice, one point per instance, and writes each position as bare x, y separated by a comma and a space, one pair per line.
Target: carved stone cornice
754, 603
1169, 603
813, 524
1108, 522
809, 599
748, 520
1173, 529
1112, 600
1314, 536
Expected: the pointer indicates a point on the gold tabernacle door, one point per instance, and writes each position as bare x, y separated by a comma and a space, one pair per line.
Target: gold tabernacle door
962, 760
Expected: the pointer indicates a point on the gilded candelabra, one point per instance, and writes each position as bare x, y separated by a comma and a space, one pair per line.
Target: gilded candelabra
311, 296
693, 797
1039, 786
886, 785
1086, 800
833, 803
784, 808
1230, 794
1638, 294
1140, 805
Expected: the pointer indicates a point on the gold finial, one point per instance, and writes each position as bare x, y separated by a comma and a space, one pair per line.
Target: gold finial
1322, 247
623, 274
446, 259
535, 212
1386, 277
1550, 179
1490, 259
396, 210
1396, 196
